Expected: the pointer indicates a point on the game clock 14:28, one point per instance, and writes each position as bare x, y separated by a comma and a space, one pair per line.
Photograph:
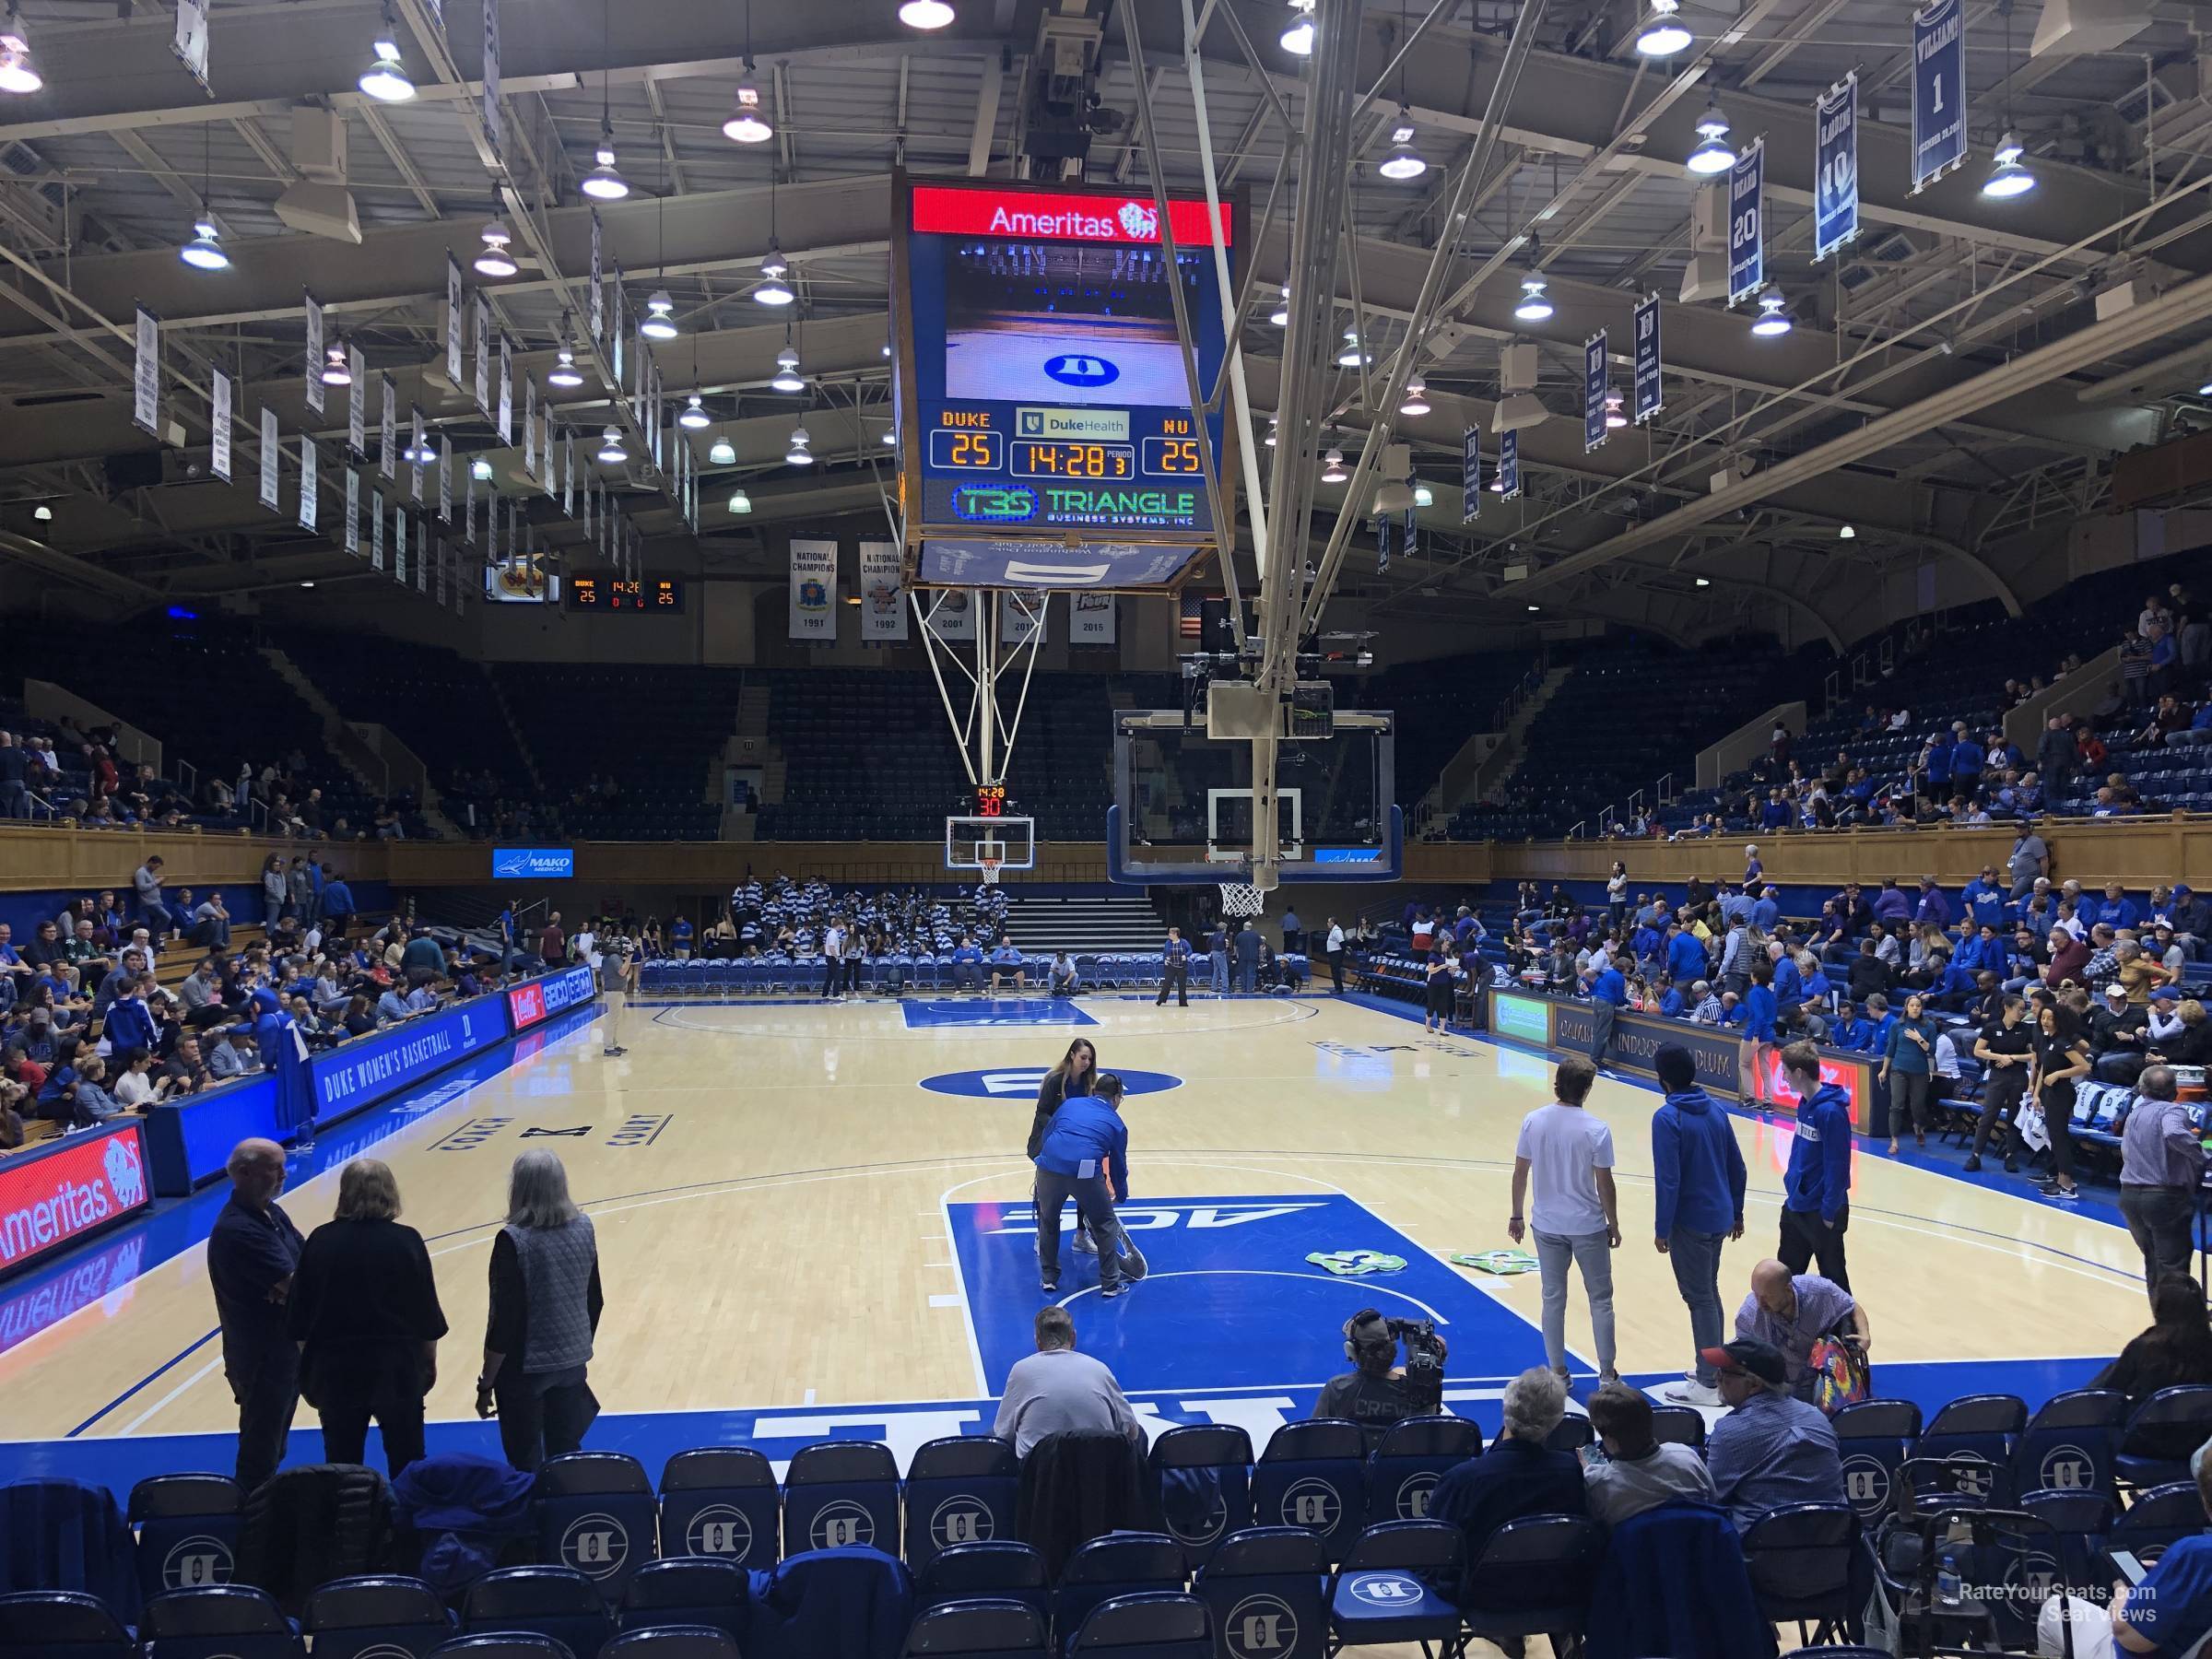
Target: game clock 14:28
617, 594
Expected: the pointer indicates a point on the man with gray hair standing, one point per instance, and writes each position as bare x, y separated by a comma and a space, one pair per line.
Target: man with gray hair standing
2161, 1162
1519, 1475
252, 1253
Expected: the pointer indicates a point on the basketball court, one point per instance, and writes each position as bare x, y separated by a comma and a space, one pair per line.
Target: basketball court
813, 1222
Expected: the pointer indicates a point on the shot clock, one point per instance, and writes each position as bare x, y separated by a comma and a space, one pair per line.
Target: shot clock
990, 800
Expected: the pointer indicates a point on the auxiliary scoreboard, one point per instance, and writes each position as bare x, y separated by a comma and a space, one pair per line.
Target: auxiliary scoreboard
1045, 430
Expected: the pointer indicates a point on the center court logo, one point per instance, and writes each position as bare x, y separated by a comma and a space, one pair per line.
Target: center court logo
1082, 371
1021, 1082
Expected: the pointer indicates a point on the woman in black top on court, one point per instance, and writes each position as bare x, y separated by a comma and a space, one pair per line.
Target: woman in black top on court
1075, 1075
2062, 1058
2176, 1350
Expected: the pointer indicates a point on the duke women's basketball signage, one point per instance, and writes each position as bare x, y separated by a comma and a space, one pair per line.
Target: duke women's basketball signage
1021, 1082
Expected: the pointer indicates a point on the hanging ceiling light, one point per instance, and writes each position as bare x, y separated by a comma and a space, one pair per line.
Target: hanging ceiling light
1416, 397
1705, 582
385, 79
1616, 415
890, 437
610, 446
723, 454
773, 290
336, 371
798, 455
1273, 422
42, 513
564, 371
695, 415
1351, 356
924, 14
1404, 161
660, 317
1845, 533
1422, 495
2206, 390
1298, 38
746, 124
2009, 178
1773, 317
604, 183
492, 259
1715, 154
1280, 315
480, 470
1331, 467
423, 453
1534, 306
1662, 33
787, 369
740, 501
205, 250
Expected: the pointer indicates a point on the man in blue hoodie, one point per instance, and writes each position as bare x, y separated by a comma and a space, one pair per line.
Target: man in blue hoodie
1698, 1178
1686, 958
1085, 1155
1816, 1188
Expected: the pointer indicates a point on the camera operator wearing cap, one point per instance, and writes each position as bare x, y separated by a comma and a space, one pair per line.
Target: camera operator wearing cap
1772, 1448
1382, 1392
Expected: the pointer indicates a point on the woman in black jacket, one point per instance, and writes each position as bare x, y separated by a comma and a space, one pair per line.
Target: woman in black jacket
1076, 1074
364, 1310
2176, 1350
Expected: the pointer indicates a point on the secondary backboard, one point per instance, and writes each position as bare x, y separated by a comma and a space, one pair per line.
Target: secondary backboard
988, 845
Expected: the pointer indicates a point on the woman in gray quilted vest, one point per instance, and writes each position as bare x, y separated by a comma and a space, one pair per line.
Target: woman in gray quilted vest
545, 1309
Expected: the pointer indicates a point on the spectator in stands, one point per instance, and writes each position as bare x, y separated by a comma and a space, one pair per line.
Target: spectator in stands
1892, 905
253, 1252
968, 964
2176, 1351
2169, 1614
2163, 1164
235, 1055
1005, 963
1335, 948
303, 888
1518, 1473
1294, 932
1699, 1179
211, 923
90, 1098
337, 905
1060, 980
1761, 1009
146, 880
184, 1072
544, 1305
1908, 1063
1772, 1448
273, 888
1576, 1213
1059, 1390
364, 1310
1816, 1187
552, 944
361, 1018
1640, 1472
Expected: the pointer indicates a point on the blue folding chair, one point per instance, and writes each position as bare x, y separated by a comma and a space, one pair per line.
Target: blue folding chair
2160, 1517
959, 1490
1402, 1473
2081, 1522
839, 1494
686, 1590
504, 1645
2161, 1433
1925, 1484
1002, 1570
1264, 1588
2069, 1443
1204, 1473
1875, 1438
672, 1642
558, 1602
1982, 1426
722, 1501
219, 1621
1679, 1426
1385, 1588
1161, 1624
971, 1629
392, 1615
1314, 1473
61, 1624
187, 1527
1571, 1433
1534, 1576
596, 1514
1800, 1557
1121, 1563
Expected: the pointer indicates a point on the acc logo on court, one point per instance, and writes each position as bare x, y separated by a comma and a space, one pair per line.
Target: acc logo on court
1313, 1504
1071, 371
595, 1545
1260, 1625
960, 1520
1021, 1082
840, 1523
720, 1530
195, 1561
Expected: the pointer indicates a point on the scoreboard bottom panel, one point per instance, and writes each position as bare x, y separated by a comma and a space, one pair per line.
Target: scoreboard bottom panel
1120, 567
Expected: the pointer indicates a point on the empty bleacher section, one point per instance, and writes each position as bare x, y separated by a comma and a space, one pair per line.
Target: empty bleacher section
1439, 704
654, 731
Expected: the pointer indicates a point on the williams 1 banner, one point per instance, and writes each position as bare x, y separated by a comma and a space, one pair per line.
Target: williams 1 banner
1836, 167
1938, 92
813, 589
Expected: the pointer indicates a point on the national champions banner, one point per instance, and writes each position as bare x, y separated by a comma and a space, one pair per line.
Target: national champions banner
951, 613
882, 596
1836, 168
813, 589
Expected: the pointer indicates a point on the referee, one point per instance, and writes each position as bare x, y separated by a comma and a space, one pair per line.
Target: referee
1085, 1156
1175, 970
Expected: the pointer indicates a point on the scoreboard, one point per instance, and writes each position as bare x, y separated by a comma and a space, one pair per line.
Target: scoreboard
1046, 433
664, 594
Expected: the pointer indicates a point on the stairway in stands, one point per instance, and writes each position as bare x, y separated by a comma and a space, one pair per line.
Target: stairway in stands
1080, 925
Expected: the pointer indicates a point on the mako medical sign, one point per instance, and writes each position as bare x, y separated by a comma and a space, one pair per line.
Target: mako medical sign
49, 1198
533, 863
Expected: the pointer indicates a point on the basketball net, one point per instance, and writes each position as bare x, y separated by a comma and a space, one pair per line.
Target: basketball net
988, 863
1242, 899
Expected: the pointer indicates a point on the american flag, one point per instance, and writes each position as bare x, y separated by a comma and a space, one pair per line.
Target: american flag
1188, 624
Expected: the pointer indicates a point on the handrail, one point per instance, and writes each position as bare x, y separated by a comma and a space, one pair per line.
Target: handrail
188, 780
32, 798
1662, 792
1575, 830
257, 810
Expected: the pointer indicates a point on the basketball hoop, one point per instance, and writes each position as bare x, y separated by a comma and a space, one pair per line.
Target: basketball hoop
988, 863
1242, 899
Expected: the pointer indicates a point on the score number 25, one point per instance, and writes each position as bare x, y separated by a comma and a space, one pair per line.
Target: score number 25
966, 451
1172, 456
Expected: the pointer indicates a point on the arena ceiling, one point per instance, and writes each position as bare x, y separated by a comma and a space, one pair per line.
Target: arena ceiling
1949, 383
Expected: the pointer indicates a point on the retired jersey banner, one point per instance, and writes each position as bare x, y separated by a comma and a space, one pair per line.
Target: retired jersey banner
417, 447
1090, 618
882, 598
1470, 474
1647, 360
1596, 375
399, 545
813, 589
506, 390
495, 122
1836, 167
310, 484
1746, 223
1021, 617
1938, 92
485, 348
376, 529
191, 41
353, 511
595, 301
219, 419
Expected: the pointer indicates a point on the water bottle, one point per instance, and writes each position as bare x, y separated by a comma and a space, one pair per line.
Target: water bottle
1951, 1588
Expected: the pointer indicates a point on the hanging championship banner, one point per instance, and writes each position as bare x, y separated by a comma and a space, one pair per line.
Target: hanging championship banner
271, 443
218, 420
1470, 474
190, 42
308, 486
1090, 618
589, 493
417, 453
357, 403
399, 545
1938, 92
495, 126
1021, 617
1836, 167
640, 361
146, 376
1747, 227
353, 511
506, 390
545, 452
387, 454
445, 484
376, 529
595, 301
529, 426
882, 598
813, 589
1509, 466
453, 321
949, 613
483, 349
1648, 382
315, 350
1595, 371
656, 396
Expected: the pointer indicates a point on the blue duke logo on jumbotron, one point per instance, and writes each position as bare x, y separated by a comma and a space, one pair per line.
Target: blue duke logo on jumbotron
1071, 371
1021, 1082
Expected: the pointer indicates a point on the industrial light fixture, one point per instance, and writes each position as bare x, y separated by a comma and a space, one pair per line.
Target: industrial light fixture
603, 182
798, 455
1534, 306
336, 371
890, 437
423, 453
205, 250
740, 501
1497, 485
1352, 356
1298, 38
1773, 316
564, 371
660, 317
1715, 154
492, 259
42, 513
1705, 582
480, 470
1331, 467
385, 79
1845, 533
773, 289
1662, 33
723, 454
886, 348
1536, 607
695, 415
746, 124
2008, 177
2206, 390
1416, 397
307, 583
1404, 161
610, 447
1422, 495
1616, 415
1280, 315
1273, 422
787, 369
924, 14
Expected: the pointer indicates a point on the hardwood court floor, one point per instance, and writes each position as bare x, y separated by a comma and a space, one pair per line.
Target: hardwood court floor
787, 1217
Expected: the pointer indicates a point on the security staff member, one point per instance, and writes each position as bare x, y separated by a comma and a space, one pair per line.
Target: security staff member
1174, 970
1372, 1396
1084, 1155
252, 1254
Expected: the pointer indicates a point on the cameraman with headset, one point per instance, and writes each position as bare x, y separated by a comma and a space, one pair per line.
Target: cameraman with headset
1380, 1392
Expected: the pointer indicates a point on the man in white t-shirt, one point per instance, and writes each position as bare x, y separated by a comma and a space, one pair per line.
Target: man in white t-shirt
1576, 1216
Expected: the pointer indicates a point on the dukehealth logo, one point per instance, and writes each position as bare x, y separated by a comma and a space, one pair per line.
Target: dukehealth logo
47, 1201
1021, 1082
